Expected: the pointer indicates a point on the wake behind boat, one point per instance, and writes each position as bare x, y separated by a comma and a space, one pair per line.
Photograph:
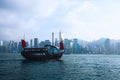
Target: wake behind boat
46, 53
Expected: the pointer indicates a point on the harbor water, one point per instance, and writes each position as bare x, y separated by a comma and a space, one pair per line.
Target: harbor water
70, 67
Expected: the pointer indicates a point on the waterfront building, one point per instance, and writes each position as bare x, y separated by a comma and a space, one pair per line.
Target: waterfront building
117, 48
107, 46
67, 45
76, 46
47, 42
56, 42
41, 44
31, 43
1, 43
36, 43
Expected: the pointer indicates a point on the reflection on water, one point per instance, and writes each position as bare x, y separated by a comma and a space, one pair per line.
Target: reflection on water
70, 67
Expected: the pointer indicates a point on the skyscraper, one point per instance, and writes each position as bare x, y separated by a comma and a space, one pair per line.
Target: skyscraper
117, 49
60, 37
56, 42
67, 45
1, 43
35, 42
107, 46
52, 38
31, 43
76, 46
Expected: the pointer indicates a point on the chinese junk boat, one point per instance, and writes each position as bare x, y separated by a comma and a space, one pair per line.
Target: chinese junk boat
46, 53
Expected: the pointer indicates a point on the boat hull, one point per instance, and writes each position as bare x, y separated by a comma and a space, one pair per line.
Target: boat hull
40, 56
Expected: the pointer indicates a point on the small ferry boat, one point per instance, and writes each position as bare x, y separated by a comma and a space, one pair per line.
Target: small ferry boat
46, 53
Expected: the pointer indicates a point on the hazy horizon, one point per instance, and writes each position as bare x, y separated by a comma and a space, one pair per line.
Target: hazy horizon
82, 19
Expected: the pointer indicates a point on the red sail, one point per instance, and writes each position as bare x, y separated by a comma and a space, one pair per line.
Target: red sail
23, 43
61, 45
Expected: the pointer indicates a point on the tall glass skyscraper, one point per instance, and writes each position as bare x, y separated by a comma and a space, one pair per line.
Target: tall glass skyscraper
35, 42
31, 43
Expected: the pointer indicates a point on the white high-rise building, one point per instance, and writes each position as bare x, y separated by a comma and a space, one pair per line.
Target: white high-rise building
60, 36
53, 38
1, 43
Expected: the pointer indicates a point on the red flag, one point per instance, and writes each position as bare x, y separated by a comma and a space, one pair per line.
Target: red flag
23, 43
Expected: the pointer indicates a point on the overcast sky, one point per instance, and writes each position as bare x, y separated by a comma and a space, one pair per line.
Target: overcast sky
82, 19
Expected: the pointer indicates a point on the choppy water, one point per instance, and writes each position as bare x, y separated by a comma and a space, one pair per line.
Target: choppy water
70, 67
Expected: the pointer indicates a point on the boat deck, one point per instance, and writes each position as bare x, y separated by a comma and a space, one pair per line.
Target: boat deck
42, 50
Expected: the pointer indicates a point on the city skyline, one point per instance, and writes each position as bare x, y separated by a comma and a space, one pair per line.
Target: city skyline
82, 19
71, 46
